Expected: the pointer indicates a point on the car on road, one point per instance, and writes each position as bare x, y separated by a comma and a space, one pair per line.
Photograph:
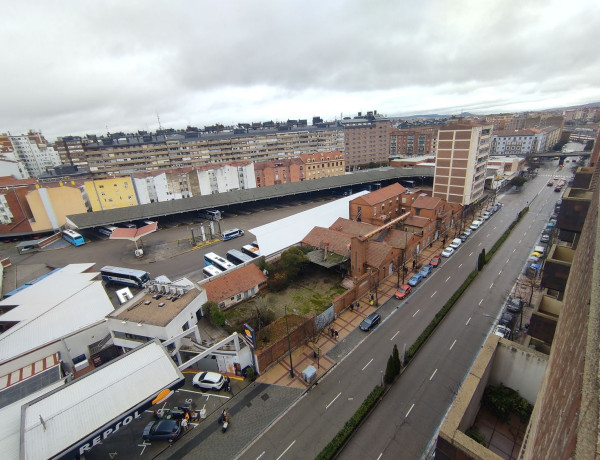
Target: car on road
507, 319
463, 237
456, 242
162, 430
545, 238
503, 331
435, 261
447, 252
476, 224
370, 322
426, 270
416, 279
514, 305
468, 232
486, 215
402, 291
208, 380
550, 183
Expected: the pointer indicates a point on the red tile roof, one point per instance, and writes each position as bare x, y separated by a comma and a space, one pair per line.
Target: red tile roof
351, 227
377, 253
383, 194
234, 282
398, 238
338, 242
426, 202
417, 221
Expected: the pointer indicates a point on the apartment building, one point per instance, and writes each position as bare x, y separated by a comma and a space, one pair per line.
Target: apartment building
381, 206
277, 172
366, 139
412, 142
111, 193
519, 142
319, 165
129, 153
71, 151
461, 162
32, 150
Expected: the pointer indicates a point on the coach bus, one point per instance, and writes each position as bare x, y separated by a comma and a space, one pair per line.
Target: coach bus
211, 270
237, 257
210, 258
251, 250
73, 237
128, 276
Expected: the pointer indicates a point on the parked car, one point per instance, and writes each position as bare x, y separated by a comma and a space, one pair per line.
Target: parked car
402, 291
545, 238
447, 252
507, 319
514, 305
426, 270
208, 380
370, 322
456, 242
486, 215
503, 331
468, 232
162, 430
463, 237
416, 279
476, 224
435, 261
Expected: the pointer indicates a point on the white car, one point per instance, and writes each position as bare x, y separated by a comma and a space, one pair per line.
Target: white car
486, 215
476, 224
455, 243
468, 232
208, 380
447, 252
502, 331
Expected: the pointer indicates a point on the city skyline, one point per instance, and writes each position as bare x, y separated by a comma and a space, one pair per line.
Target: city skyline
75, 71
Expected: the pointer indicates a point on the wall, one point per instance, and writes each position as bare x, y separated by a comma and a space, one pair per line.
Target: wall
298, 335
77, 344
58, 203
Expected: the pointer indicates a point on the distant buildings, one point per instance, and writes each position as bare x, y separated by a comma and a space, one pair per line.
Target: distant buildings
461, 162
413, 141
32, 150
366, 139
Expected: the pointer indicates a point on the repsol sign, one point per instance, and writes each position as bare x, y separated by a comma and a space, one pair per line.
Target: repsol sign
105, 433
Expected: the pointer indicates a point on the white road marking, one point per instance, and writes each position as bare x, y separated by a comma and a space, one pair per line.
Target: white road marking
491, 285
411, 408
514, 249
468, 321
366, 365
327, 406
204, 394
507, 260
434, 372
261, 455
470, 254
415, 314
500, 272
520, 241
433, 294
448, 279
479, 244
288, 448
452, 346
488, 235
480, 301
380, 455
460, 266
393, 337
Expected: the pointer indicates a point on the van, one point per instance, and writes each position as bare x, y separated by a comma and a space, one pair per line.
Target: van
230, 234
455, 243
210, 214
539, 249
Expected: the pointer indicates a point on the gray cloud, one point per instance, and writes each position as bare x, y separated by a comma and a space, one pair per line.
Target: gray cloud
75, 67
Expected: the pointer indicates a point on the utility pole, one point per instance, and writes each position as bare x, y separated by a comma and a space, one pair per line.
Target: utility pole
289, 344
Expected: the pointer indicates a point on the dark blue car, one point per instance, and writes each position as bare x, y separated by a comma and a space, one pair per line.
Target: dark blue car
416, 279
426, 270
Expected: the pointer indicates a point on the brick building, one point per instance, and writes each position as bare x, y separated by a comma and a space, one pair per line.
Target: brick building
277, 172
413, 141
323, 164
381, 206
366, 139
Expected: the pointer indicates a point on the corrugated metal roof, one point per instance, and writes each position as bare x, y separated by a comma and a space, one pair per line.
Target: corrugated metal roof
153, 210
283, 233
78, 409
57, 306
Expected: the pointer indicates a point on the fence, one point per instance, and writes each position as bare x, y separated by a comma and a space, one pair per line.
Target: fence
298, 335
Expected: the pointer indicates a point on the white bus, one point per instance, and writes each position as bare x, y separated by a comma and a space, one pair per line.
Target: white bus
210, 258
211, 270
233, 233
251, 250
128, 276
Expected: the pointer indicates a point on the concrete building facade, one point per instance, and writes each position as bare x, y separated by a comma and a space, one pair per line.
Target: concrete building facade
461, 162
31, 149
412, 142
366, 139
111, 193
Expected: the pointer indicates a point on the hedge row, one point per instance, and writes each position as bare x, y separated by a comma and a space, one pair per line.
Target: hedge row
351, 425
452, 300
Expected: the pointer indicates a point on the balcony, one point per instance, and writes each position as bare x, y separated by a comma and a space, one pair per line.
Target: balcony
557, 268
542, 324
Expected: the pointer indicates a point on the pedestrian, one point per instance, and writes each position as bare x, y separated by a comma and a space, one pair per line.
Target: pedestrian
155, 415
336, 335
372, 299
184, 424
357, 305
331, 332
351, 306
414, 264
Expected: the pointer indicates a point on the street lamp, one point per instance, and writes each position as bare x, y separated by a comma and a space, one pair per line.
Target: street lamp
289, 344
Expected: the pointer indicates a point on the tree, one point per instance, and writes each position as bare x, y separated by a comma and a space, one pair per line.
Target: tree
517, 181
291, 262
396, 361
588, 146
481, 260
389, 376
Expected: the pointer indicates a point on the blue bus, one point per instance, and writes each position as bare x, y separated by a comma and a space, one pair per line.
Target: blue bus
210, 258
127, 276
73, 237
233, 233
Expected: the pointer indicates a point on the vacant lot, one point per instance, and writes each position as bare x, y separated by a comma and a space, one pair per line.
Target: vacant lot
312, 293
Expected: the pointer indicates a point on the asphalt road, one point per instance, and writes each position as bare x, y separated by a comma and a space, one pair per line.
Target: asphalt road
403, 425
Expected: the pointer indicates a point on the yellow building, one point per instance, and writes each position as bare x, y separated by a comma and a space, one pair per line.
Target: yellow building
50, 206
112, 193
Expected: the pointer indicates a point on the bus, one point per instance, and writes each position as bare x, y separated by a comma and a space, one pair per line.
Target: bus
230, 234
73, 237
251, 250
237, 257
211, 270
128, 276
210, 258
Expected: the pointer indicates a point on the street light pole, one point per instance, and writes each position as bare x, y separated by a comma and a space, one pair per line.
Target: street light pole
289, 344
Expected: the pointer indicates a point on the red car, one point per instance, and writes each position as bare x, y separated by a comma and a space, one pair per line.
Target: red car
402, 291
435, 261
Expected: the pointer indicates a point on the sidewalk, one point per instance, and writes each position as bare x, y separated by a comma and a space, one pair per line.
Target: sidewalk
344, 324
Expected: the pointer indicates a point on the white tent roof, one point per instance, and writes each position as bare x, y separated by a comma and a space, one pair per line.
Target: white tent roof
87, 404
286, 232
55, 307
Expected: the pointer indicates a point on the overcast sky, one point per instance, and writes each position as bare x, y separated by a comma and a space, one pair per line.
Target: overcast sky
77, 67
